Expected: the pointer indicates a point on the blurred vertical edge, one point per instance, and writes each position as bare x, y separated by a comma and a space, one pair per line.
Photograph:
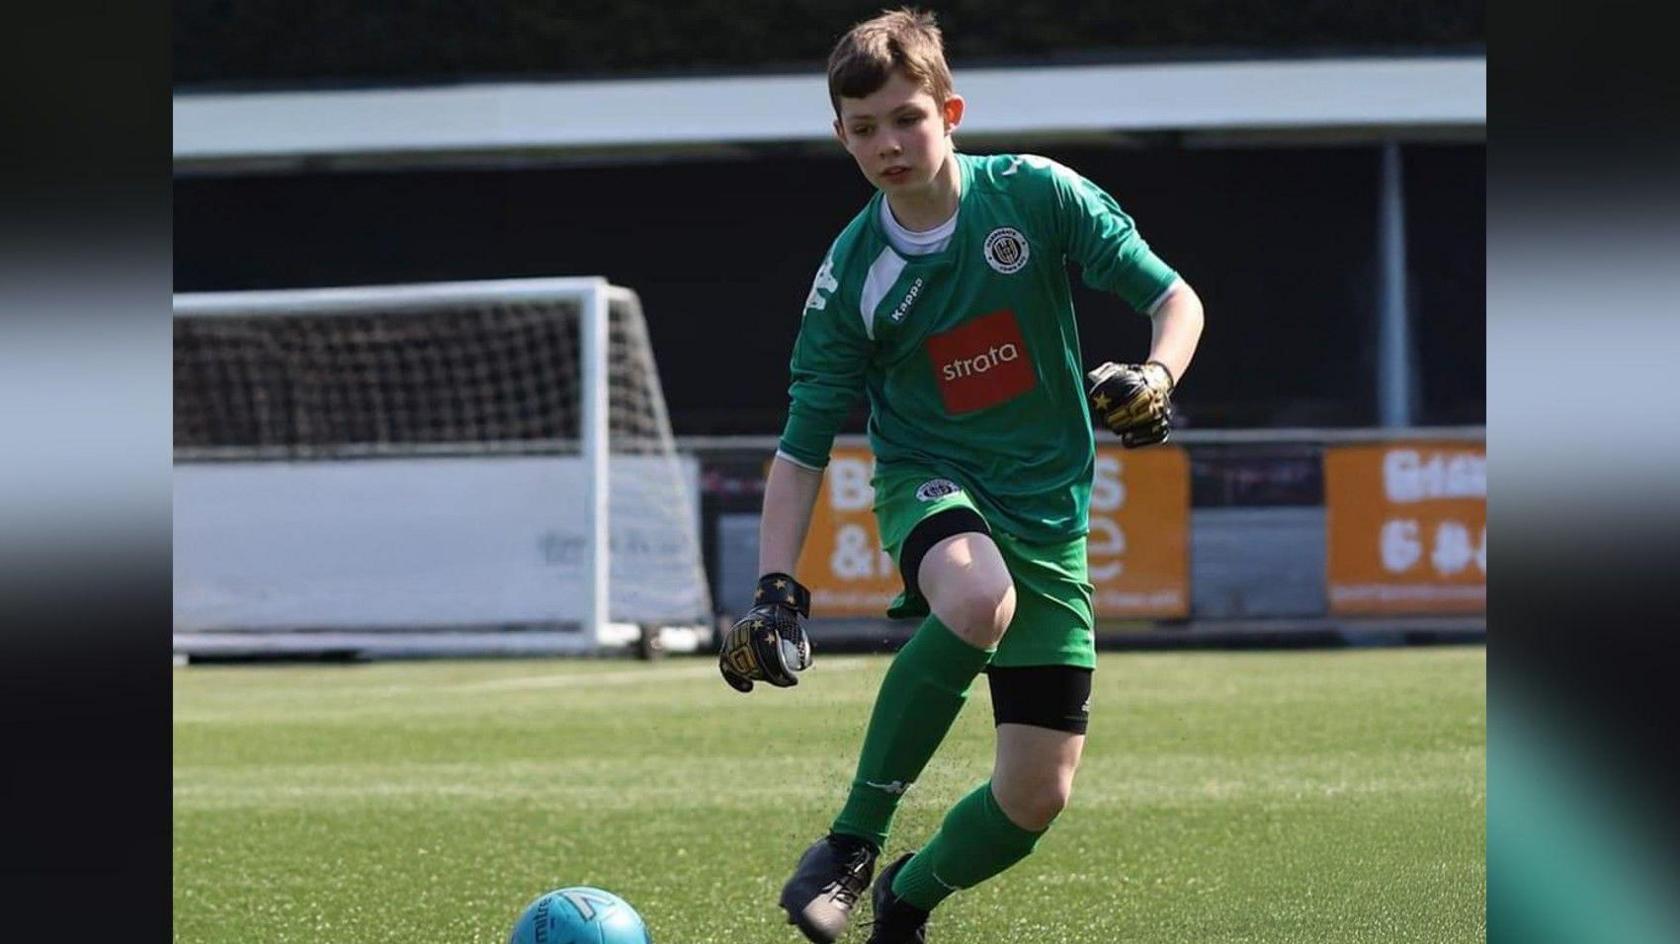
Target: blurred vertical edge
1582, 445
84, 462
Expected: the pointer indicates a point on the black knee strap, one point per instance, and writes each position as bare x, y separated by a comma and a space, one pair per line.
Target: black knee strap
930, 531
1045, 696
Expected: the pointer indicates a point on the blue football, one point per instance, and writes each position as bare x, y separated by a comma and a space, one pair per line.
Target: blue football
579, 915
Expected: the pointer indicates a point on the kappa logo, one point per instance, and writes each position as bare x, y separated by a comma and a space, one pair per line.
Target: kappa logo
1006, 250
909, 299
895, 787
937, 488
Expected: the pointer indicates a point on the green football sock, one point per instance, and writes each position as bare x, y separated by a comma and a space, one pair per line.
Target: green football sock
923, 692
976, 842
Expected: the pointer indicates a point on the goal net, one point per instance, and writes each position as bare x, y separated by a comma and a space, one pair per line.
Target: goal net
442, 456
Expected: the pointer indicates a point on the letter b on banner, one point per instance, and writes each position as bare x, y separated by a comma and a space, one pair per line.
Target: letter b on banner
847, 482
842, 561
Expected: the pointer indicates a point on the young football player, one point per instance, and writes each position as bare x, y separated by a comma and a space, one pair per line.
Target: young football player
946, 302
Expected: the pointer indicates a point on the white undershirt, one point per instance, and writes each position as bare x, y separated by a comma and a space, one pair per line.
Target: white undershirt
911, 243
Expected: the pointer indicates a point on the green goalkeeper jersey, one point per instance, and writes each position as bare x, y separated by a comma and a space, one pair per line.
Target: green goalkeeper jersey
970, 355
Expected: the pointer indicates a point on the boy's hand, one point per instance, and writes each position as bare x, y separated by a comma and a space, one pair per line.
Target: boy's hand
768, 644
1133, 401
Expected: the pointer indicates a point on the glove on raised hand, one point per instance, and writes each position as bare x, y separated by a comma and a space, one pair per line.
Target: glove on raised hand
1133, 400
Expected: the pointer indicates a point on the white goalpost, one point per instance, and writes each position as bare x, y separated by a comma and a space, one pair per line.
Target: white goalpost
403, 461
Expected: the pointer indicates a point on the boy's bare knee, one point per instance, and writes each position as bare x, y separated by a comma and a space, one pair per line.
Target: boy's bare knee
969, 588
980, 618
1034, 804
1033, 776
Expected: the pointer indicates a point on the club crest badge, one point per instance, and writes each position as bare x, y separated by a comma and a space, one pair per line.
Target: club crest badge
1006, 250
937, 488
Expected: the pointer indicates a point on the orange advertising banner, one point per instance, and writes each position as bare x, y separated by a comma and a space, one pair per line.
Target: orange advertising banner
1406, 528
842, 562
1139, 546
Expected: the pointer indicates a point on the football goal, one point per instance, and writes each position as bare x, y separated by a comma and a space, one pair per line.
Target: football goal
453, 457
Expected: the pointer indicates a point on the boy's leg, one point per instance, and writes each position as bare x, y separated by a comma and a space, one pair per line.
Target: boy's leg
1041, 685
972, 597
999, 823
960, 573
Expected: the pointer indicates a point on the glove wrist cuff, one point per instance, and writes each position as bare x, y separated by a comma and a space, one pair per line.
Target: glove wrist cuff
1172, 381
782, 590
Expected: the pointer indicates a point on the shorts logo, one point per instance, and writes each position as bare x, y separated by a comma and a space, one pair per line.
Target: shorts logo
981, 363
937, 488
1006, 250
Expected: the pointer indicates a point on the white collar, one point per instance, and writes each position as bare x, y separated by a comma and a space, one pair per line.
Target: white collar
913, 243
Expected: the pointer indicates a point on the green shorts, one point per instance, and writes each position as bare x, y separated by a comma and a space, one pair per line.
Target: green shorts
1053, 620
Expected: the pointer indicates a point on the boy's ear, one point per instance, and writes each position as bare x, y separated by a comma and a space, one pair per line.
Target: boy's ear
840, 132
953, 112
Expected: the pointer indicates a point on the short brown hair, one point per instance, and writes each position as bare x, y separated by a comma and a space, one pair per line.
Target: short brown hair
906, 40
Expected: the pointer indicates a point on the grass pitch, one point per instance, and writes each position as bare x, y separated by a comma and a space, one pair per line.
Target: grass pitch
1332, 796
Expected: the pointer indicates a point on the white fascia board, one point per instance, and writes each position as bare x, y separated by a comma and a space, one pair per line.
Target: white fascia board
1231, 96
1316, 93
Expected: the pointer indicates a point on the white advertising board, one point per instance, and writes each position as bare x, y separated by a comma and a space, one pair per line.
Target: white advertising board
408, 544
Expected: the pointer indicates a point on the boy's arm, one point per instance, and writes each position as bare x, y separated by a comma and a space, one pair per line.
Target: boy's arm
1132, 400
790, 493
769, 644
1096, 233
1135, 400
1177, 327
828, 364
830, 356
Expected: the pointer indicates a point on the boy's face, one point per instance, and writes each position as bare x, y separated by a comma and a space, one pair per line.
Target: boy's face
898, 135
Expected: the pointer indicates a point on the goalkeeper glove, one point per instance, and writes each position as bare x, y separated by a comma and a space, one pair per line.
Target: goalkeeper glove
768, 644
1133, 401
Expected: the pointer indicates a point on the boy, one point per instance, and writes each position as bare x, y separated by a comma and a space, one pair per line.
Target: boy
947, 302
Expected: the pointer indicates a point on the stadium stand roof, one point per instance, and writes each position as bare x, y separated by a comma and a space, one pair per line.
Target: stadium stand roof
1373, 97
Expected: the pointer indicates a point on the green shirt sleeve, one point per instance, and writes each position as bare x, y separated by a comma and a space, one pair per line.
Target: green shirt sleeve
1104, 241
830, 356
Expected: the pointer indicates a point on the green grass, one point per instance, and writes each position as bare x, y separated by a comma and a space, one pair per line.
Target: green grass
1225, 797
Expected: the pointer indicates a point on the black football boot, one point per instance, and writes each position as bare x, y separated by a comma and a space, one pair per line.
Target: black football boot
896, 920
826, 885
